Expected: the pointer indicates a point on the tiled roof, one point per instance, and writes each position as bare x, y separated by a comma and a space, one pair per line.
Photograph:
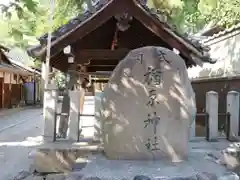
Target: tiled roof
4, 49
13, 65
70, 25
13, 69
75, 22
87, 14
222, 33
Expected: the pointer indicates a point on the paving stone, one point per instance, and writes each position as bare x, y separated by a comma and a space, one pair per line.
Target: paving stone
56, 177
199, 176
229, 176
32, 177
141, 178
74, 176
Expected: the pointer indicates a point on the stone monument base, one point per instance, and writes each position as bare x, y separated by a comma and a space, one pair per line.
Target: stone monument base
62, 157
201, 165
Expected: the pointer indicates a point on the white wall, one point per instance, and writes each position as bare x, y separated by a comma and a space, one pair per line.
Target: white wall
7, 78
226, 49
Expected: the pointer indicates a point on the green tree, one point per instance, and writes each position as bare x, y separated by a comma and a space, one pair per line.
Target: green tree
27, 19
20, 7
192, 15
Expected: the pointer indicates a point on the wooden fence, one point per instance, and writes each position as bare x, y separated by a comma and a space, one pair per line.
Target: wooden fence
11, 95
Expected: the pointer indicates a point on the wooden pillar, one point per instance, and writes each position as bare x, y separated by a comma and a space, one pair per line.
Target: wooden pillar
83, 92
10, 90
82, 88
34, 88
3, 92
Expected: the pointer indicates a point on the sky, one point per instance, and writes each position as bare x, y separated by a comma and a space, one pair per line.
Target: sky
5, 2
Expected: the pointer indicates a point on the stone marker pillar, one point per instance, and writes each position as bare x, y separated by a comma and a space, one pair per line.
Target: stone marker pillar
212, 110
147, 107
74, 115
233, 109
97, 124
50, 107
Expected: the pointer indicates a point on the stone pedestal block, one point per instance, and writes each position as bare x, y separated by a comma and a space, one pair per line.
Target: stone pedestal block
53, 161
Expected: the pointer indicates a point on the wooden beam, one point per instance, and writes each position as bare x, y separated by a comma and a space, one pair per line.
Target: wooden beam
104, 62
96, 68
100, 81
103, 65
91, 57
111, 9
3, 91
84, 56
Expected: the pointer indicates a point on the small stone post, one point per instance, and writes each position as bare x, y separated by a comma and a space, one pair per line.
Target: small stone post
97, 127
212, 110
49, 108
193, 130
233, 109
74, 115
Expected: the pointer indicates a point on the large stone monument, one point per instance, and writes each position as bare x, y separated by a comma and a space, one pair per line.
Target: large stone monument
148, 107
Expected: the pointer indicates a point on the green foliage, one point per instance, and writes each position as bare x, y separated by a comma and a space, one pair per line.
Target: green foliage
60, 79
192, 15
207, 6
226, 13
24, 20
28, 19
19, 7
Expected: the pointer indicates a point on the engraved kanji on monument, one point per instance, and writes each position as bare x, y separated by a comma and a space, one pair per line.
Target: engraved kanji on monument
147, 107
